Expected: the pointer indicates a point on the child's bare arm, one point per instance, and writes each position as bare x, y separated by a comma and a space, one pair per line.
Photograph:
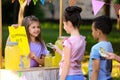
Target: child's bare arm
66, 64
21, 12
96, 67
37, 59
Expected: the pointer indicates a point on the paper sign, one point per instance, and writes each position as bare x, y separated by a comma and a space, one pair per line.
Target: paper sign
19, 35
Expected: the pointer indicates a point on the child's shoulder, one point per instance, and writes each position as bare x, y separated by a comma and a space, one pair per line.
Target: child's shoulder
101, 44
96, 46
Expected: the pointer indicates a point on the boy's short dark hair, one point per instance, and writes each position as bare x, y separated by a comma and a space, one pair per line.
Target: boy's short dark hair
103, 23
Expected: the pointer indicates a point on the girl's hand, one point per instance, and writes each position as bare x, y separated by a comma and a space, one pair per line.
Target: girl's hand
32, 55
21, 11
56, 49
15, 25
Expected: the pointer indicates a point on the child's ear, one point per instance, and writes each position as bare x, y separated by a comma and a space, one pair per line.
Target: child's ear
69, 23
98, 32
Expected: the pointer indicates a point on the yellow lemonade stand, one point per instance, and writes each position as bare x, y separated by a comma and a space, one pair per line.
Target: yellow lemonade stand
60, 27
39, 73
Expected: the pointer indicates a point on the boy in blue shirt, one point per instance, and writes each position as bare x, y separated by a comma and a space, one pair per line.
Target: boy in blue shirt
99, 67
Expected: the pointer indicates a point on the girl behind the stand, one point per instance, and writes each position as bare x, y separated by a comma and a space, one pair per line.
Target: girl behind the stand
36, 43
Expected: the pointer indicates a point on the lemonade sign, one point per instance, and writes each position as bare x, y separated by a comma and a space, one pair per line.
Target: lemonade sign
19, 35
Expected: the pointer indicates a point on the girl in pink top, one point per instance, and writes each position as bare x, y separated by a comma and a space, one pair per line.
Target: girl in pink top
73, 47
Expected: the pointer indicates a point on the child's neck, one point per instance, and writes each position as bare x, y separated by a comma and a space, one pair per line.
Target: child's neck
32, 39
75, 33
102, 38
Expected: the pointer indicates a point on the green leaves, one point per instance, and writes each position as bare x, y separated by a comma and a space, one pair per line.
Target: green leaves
116, 1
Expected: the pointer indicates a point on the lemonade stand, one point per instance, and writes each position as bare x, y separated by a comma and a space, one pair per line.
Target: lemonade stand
14, 71
17, 62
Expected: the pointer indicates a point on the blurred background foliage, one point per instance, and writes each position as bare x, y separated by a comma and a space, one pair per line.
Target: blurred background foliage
10, 11
116, 1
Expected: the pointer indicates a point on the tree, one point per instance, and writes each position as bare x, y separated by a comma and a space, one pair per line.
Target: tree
116, 1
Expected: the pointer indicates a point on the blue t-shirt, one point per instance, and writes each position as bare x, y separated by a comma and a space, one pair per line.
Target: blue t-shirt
105, 65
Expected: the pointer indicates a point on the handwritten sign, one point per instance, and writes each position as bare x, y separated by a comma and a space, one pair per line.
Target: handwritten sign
19, 35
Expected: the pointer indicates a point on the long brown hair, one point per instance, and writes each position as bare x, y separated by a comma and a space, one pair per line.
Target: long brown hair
27, 21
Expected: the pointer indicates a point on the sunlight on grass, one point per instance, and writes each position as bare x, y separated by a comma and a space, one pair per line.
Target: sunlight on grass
116, 69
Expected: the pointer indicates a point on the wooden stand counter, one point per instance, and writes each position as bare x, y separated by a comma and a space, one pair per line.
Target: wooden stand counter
37, 73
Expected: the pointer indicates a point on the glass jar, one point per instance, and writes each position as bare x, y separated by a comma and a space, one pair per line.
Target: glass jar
48, 60
12, 56
57, 55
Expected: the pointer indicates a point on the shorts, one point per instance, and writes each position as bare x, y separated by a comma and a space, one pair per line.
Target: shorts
110, 79
74, 77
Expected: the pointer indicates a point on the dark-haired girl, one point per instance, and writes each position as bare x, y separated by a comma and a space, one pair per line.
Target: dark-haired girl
73, 46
